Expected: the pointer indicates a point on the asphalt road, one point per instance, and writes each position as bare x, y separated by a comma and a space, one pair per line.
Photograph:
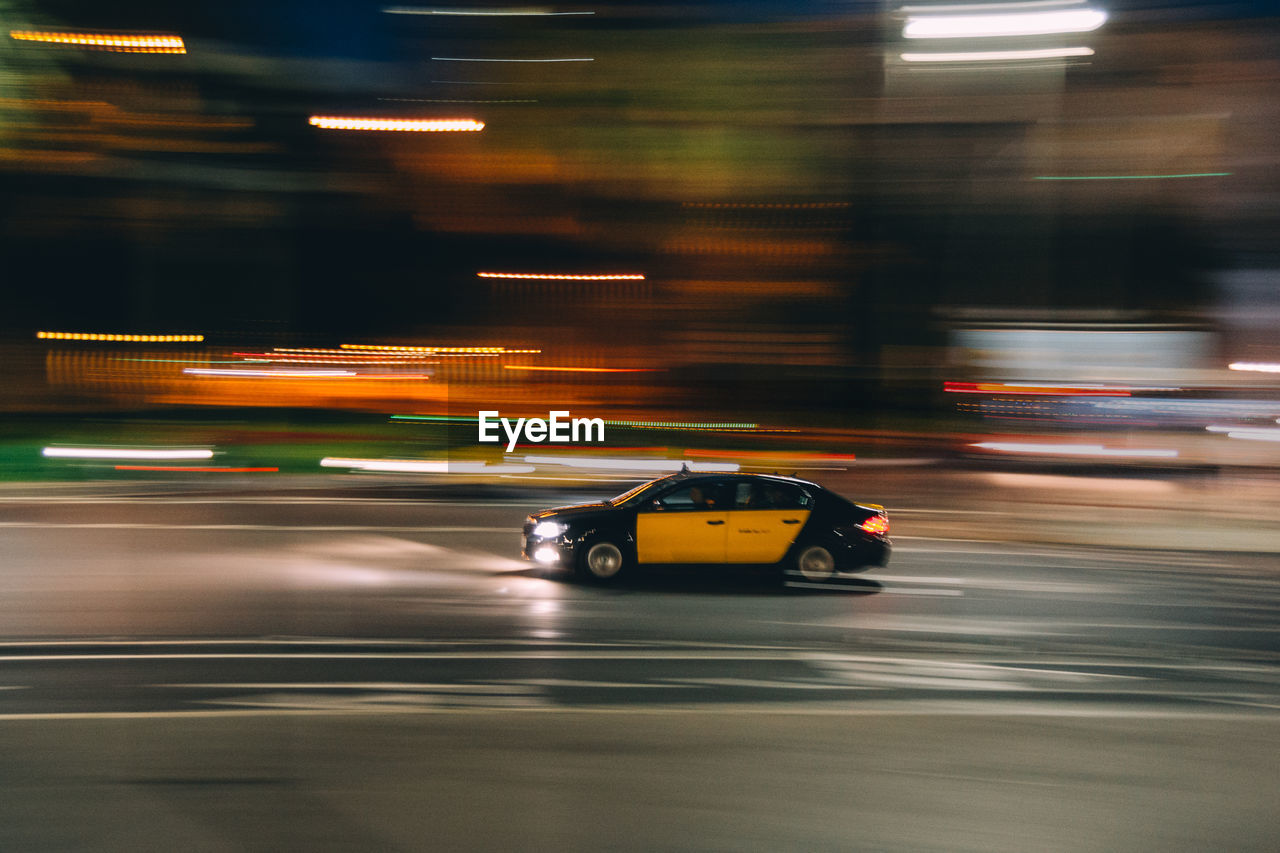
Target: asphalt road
372, 669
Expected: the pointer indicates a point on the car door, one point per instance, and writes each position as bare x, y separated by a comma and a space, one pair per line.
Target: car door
766, 518
685, 524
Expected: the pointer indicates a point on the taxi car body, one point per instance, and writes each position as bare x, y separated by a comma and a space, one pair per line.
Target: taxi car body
691, 518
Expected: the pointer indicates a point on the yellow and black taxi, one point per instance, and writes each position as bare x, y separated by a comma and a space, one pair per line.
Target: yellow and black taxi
688, 518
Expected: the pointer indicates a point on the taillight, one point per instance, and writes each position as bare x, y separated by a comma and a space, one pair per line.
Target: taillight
876, 525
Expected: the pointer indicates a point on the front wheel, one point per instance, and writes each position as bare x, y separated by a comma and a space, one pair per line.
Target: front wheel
815, 564
601, 562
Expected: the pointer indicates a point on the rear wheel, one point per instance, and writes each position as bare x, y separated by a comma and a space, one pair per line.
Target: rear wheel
815, 564
601, 562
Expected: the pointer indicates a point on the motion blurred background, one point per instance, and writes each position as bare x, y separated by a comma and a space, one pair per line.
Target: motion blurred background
842, 226
1007, 267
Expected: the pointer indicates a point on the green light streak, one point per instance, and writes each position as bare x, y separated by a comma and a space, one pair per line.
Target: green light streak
678, 425
1129, 177
434, 418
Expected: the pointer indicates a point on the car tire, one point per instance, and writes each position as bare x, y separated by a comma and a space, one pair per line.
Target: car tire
601, 562
813, 563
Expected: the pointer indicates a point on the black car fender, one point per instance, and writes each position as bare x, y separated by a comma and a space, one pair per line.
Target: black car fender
620, 534
811, 534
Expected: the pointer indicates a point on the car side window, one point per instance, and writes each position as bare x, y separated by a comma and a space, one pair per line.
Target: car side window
769, 495
693, 497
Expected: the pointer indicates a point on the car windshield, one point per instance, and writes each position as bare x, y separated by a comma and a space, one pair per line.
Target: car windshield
635, 493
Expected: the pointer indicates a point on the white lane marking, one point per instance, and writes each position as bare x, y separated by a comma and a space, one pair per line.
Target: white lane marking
966, 675
1246, 704
389, 641
986, 708
975, 583
917, 579
834, 586
574, 682
718, 654
1015, 585
980, 779
1094, 553
764, 683
904, 510
1002, 583
307, 528
359, 702
597, 654
405, 686
1051, 666
302, 501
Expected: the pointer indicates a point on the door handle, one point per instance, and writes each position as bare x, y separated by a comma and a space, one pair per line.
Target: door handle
715, 522
790, 521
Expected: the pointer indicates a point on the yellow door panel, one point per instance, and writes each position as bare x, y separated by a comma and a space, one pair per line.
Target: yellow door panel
763, 535
681, 537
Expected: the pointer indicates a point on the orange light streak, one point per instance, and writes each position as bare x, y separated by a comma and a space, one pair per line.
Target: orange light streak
564, 276
103, 336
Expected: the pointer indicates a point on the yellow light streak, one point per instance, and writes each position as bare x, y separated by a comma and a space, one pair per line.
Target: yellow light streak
138, 43
393, 124
105, 336
563, 276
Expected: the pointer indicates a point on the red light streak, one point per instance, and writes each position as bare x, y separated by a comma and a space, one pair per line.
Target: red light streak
1033, 390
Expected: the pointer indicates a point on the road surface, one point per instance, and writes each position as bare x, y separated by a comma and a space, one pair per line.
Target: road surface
361, 669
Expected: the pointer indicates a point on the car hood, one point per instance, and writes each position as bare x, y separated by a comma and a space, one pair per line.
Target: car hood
575, 509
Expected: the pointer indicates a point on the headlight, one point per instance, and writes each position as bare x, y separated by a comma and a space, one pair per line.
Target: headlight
549, 529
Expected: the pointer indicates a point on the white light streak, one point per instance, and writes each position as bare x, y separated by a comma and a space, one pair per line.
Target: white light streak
1255, 366
295, 374
597, 462
984, 26
422, 466
1255, 434
999, 55
1074, 449
401, 125
477, 59
511, 12
983, 7
122, 453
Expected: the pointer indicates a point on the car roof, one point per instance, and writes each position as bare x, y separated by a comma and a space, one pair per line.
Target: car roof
686, 474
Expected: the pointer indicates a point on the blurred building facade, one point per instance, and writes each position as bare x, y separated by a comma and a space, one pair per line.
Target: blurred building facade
815, 217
